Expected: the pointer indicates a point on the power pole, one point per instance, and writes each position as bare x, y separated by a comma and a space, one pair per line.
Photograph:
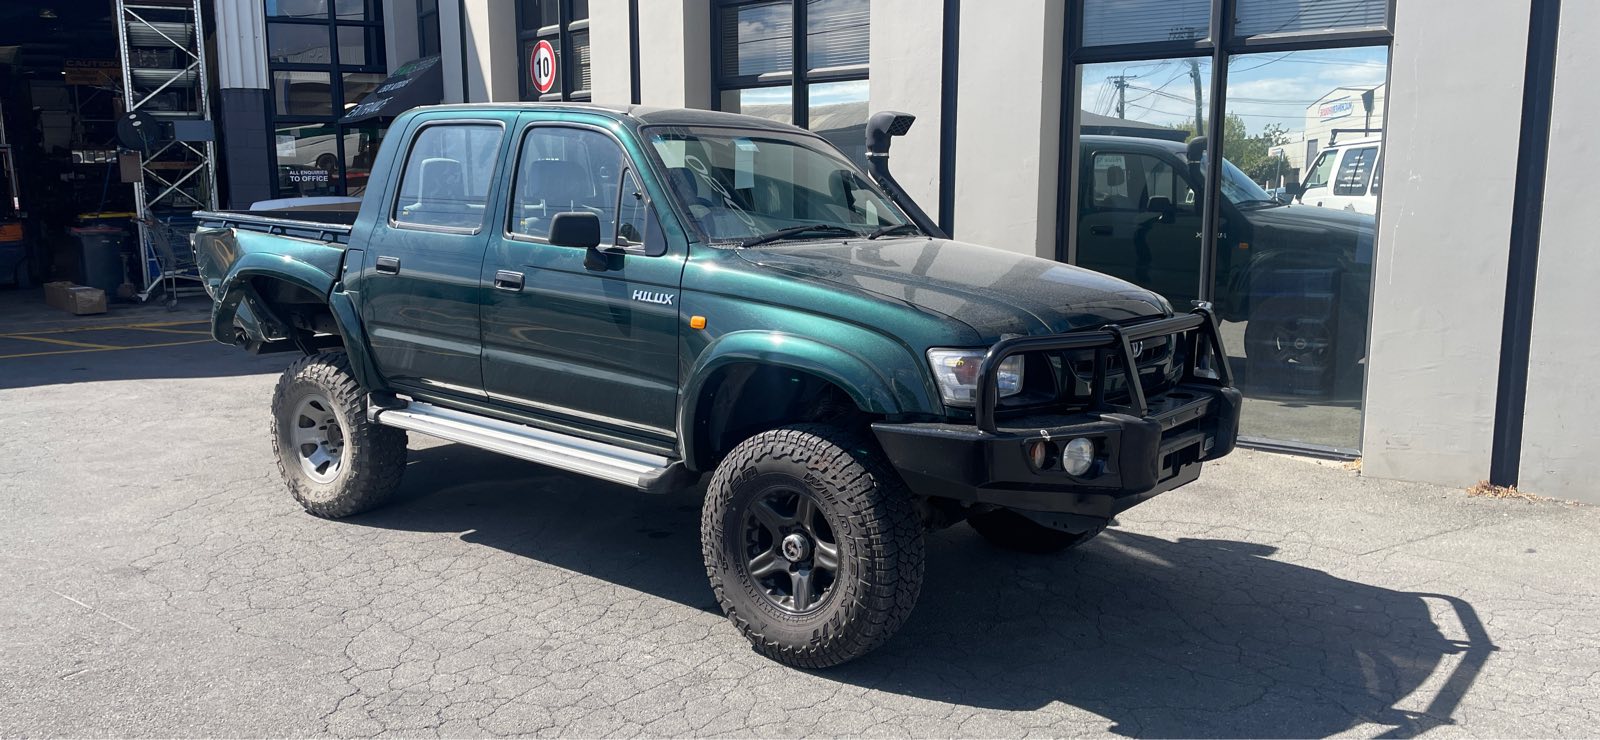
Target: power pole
1121, 83
1199, 108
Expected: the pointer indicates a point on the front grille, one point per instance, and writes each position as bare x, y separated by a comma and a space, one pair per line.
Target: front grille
1063, 381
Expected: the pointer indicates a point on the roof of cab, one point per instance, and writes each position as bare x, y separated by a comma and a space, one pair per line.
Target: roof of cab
638, 115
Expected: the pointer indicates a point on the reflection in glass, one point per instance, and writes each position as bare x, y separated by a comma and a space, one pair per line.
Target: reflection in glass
839, 114
298, 43
1138, 197
357, 85
1107, 22
308, 159
836, 33
360, 149
302, 93
1262, 17
353, 44
1294, 274
757, 39
297, 8
771, 103
351, 10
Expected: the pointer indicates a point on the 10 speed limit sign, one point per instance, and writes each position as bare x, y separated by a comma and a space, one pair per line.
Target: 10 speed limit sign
542, 67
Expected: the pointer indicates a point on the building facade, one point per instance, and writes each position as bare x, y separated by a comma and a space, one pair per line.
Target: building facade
1440, 339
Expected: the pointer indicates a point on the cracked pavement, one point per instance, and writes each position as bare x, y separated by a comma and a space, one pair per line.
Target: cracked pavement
158, 580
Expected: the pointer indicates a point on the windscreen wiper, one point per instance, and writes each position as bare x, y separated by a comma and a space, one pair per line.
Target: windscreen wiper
789, 231
887, 230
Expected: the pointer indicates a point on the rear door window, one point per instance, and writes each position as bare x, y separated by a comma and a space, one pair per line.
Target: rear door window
1355, 172
447, 175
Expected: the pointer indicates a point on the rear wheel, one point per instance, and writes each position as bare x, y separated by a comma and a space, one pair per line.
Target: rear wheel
1007, 529
811, 544
335, 462
1289, 347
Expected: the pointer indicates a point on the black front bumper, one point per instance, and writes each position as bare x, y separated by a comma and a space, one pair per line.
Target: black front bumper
1143, 447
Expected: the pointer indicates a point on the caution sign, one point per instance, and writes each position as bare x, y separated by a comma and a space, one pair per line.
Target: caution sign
542, 67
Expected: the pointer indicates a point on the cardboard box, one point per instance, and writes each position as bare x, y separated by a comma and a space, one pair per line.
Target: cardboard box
74, 299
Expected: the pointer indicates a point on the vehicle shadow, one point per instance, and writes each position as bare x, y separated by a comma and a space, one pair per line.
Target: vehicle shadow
1193, 637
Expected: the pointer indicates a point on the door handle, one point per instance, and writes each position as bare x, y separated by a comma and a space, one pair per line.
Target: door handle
1100, 230
508, 280
388, 265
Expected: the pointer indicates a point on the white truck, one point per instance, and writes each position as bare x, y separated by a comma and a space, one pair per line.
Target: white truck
1347, 175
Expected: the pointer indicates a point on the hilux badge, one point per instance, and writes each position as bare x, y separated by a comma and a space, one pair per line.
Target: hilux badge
663, 299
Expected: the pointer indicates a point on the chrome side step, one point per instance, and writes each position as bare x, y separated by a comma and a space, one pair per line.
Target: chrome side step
574, 454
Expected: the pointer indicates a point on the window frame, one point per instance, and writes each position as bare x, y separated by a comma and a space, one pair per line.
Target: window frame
628, 165
560, 36
1220, 43
376, 63
800, 76
405, 161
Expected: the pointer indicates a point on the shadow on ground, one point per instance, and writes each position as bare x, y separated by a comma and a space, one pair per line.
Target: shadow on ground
1194, 637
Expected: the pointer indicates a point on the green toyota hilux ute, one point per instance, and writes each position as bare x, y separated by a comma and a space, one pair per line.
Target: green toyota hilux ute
647, 297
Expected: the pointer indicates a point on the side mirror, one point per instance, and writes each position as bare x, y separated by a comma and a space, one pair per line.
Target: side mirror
1293, 188
575, 229
1163, 205
1197, 150
580, 229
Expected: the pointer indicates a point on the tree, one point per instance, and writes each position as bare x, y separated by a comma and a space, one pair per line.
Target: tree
1251, 154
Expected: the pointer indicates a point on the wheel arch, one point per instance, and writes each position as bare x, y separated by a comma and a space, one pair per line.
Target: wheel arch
776, 371
259, 293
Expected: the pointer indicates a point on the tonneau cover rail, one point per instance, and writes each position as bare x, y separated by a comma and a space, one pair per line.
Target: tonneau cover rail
327, 231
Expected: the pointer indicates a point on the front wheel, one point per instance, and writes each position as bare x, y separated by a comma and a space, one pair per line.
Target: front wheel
811, 544
335, 462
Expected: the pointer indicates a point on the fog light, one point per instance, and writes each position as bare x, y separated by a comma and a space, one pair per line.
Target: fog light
1039, 453
1077, 456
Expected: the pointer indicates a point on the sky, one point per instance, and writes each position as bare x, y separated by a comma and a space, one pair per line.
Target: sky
1264, 88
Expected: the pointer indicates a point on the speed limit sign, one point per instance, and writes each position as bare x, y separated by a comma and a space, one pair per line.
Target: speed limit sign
542, 67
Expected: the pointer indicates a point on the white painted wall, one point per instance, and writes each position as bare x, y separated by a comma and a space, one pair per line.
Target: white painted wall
675, 53
1009, 130
241, 44
610, 76
1559, 440
906, 62
450, 59
492, 58
1440, 278
400, 32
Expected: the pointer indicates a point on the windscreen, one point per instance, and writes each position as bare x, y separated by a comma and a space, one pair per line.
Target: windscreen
737, 184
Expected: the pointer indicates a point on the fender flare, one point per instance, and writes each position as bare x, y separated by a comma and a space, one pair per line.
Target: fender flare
859, 379
238, 294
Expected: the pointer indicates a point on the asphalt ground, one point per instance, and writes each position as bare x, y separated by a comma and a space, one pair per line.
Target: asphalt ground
157, 580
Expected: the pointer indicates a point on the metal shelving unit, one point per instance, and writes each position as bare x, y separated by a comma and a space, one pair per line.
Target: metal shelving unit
164, 76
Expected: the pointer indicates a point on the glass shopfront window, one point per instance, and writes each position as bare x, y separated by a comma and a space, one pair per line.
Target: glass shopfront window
818, 81
1287, 267
323, 57
564, 24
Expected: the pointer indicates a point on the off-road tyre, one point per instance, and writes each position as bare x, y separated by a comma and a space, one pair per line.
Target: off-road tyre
371, 458
1009, 530
1290, 347
876, 539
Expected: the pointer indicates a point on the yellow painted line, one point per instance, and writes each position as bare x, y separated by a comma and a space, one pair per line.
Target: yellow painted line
104, 349
67, 342
171, 331
107, 327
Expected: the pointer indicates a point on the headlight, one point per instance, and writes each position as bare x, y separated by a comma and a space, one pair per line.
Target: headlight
956, 371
